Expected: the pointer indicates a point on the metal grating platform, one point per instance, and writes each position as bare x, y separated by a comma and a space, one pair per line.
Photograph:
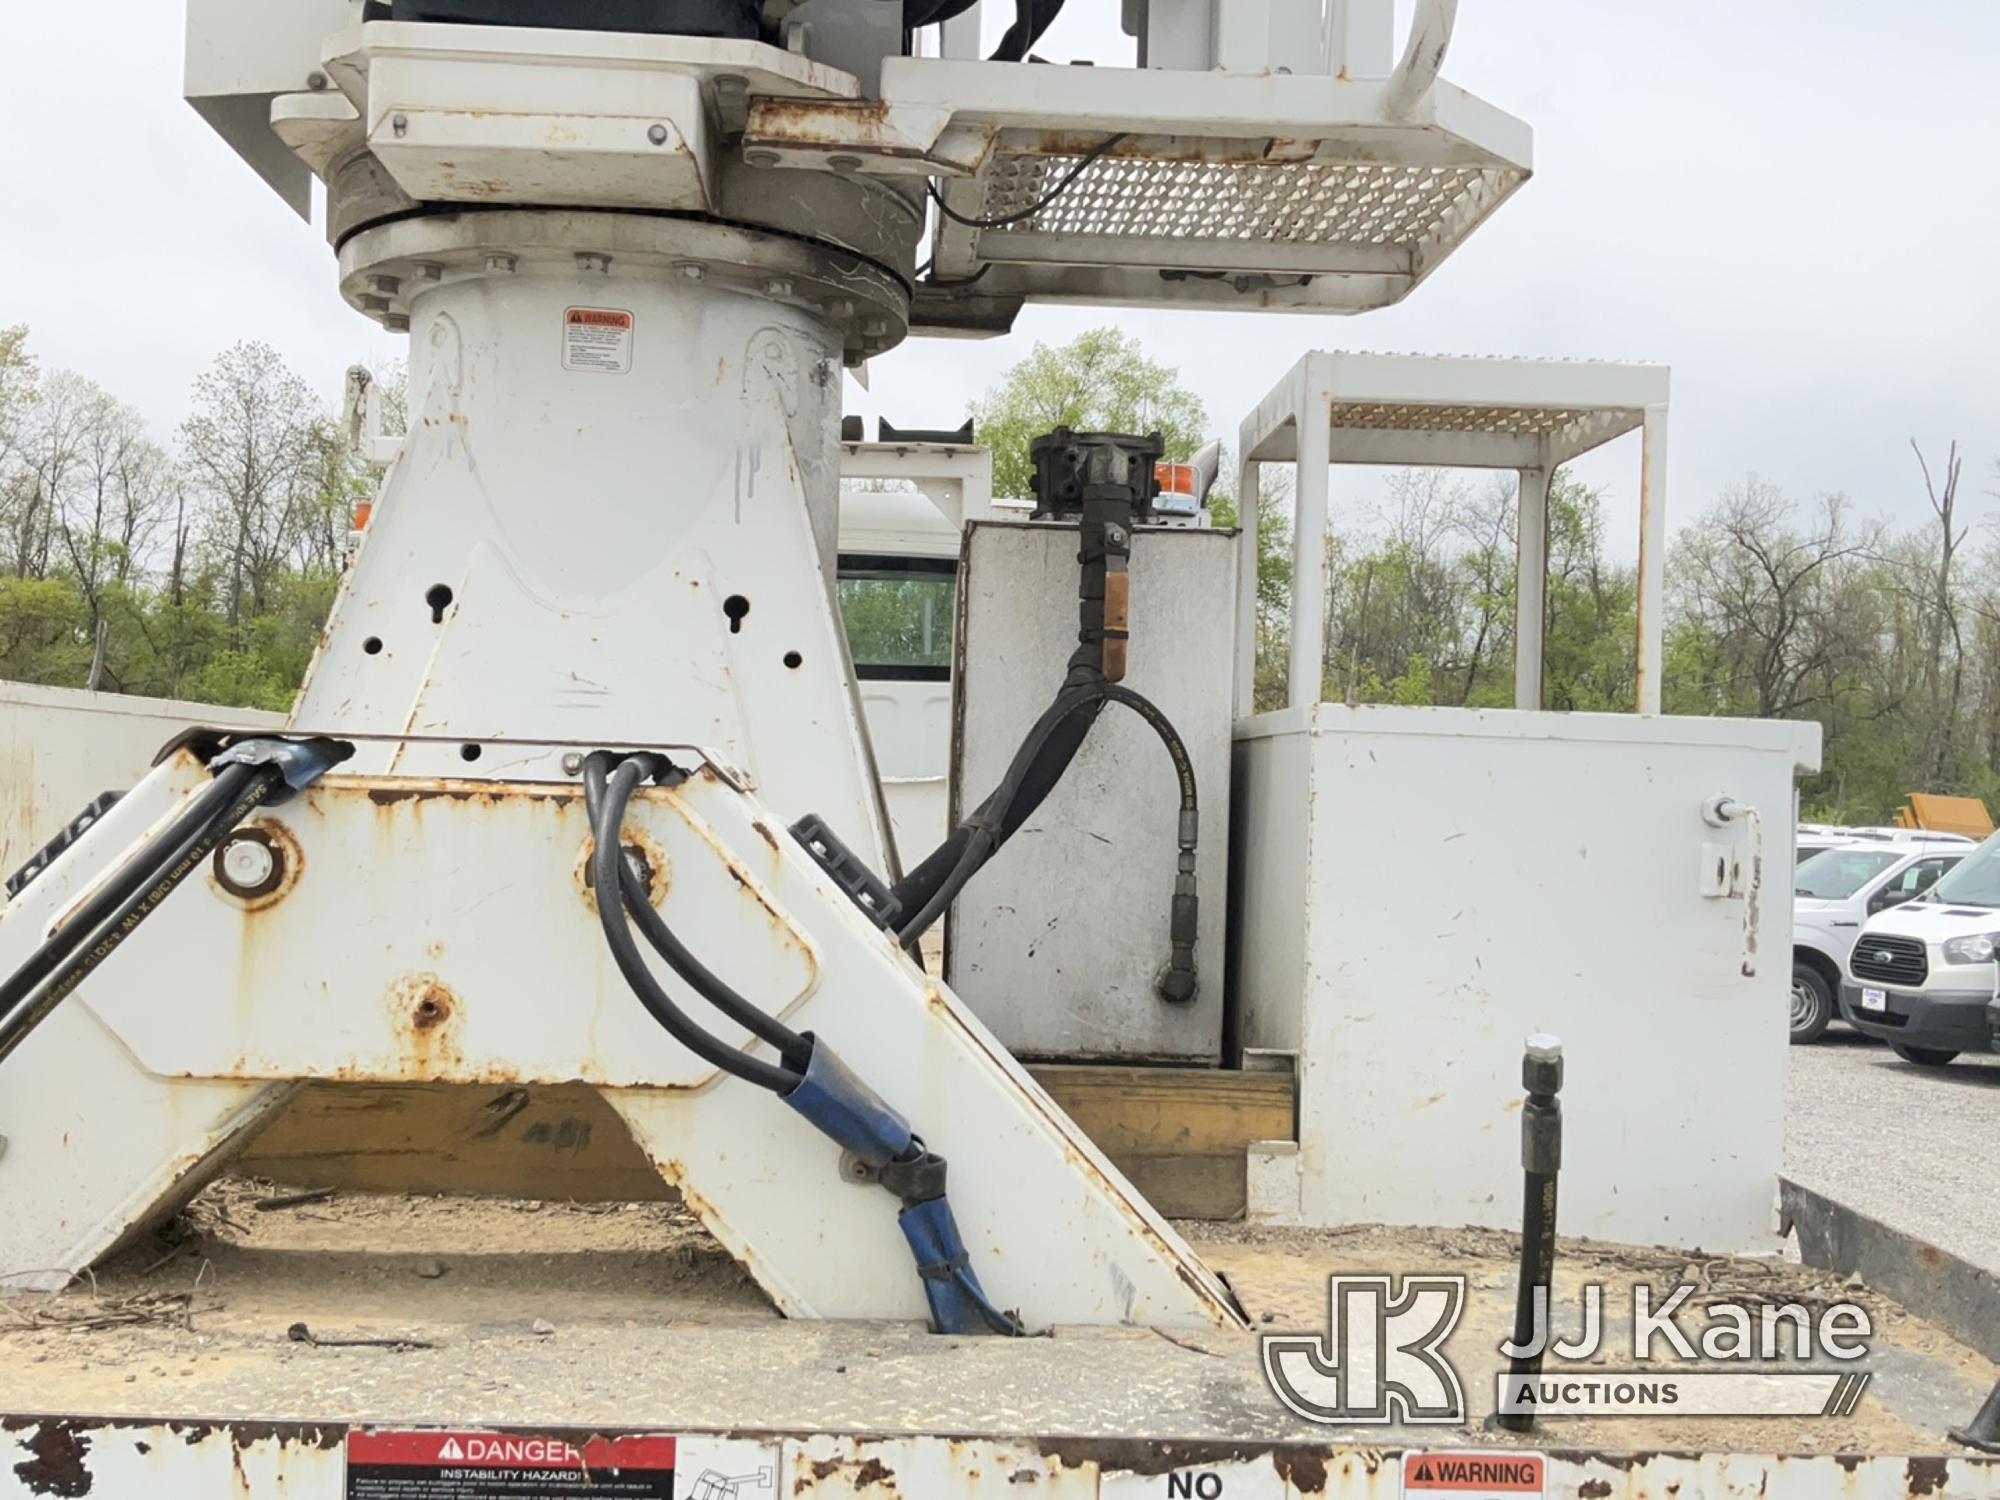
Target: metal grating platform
1500, 421
1247, 202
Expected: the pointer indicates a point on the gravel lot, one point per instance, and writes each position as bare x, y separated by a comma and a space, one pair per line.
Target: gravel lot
1914, 1146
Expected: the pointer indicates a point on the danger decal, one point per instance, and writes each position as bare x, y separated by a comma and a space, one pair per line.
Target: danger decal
516, 1466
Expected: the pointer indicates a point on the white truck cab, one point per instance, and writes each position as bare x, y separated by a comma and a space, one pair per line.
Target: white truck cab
1836, 890
1922, 975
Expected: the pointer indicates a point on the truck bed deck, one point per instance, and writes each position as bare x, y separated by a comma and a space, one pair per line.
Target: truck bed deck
612, 1318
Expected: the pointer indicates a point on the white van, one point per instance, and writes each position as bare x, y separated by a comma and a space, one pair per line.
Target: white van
1923, 976
1835, 891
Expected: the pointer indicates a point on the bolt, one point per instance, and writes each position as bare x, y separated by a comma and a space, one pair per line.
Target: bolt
504, 263
761, 158
693, 270
844, 164
777, 287
841, 309
400, 124
315, 81
249, 866
572, 763
388, 286
370, 304
430, 270
657, 134
876, 328
396, 323
592, 260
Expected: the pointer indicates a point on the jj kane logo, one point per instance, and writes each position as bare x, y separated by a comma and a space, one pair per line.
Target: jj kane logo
1383, 1359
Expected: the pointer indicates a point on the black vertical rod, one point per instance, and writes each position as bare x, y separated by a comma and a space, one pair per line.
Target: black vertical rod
1541, 1160
1983, 1431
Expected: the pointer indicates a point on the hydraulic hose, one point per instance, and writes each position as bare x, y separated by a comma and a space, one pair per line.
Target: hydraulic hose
1051, 745
55, 969
1178, 983
607, 871
1031, 19
792, 1048
818, 1086
980, 836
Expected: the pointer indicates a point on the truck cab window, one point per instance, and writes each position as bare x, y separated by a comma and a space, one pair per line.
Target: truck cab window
898, 614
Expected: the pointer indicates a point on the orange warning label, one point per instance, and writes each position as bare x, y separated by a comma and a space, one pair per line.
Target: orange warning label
597, 338
1432, 1475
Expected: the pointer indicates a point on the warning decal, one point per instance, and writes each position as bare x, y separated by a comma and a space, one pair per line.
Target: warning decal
506, 1466
1473, 1476
597, 338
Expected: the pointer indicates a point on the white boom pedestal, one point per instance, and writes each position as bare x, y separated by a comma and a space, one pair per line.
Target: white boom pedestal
1467, 877
612, 521
441, 931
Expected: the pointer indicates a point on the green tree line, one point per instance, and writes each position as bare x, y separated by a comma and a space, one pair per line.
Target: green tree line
201, 565
1888, 637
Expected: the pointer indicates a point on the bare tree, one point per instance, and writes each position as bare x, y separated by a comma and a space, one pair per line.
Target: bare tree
1945, 700
107, 505
251, 449
1767, 592
49, 448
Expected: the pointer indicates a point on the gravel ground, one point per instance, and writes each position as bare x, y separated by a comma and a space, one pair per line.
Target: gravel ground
1913, 1146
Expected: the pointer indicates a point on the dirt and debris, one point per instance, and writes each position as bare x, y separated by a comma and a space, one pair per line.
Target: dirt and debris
594, 1314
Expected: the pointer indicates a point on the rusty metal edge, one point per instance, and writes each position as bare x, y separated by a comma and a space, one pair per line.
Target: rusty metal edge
1959, 1297
1111, 1454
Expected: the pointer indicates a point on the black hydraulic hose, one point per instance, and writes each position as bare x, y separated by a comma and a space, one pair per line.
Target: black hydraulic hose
1178, 982
979, 837
1033, 773
794, 1049
920, 13
1050, 746
114, 913
1146, 709
1031, 19
607, 863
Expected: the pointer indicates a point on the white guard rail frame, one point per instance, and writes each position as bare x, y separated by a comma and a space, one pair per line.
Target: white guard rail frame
1405, 409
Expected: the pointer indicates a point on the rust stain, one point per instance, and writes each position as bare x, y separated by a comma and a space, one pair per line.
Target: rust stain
1593, 1489
422, 1012
818, 122
1926, 1475
874, 1472
659, 866
56, 1461
388, 791
1304, 1470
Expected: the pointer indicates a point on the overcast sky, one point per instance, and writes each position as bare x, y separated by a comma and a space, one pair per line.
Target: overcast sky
1793, 203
